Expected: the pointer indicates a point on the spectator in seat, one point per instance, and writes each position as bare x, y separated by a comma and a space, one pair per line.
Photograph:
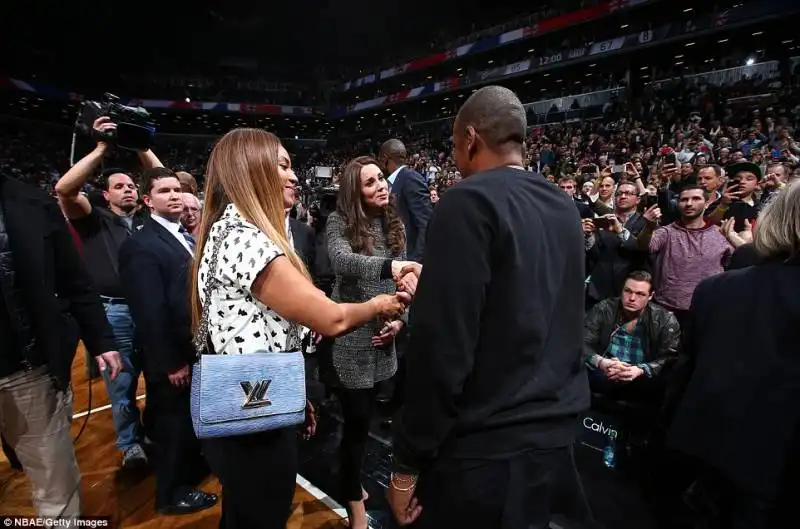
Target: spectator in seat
739, 197
434, 194
710, 179
569, 185
628, 340
612, 251
774, 181
605, 191
686, 251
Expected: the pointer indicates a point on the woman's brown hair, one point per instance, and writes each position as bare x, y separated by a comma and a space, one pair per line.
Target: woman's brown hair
242, 169
350, 207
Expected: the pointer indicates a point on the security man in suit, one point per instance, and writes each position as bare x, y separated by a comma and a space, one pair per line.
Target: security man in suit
411, 194
409, 190
154, 264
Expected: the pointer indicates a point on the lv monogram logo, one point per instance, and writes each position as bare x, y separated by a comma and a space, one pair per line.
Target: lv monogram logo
255, 395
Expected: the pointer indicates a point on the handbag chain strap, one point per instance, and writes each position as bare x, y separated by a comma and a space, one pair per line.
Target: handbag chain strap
201, 339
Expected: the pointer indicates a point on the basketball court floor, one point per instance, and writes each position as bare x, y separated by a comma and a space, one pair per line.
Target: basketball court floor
129, 501
126, 500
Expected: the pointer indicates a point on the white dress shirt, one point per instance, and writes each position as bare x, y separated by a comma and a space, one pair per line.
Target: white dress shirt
174, 228
392, 177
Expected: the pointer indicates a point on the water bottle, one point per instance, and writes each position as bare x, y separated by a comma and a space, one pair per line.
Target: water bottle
610, 453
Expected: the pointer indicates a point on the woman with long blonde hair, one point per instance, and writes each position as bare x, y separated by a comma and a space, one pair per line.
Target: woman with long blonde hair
264, 302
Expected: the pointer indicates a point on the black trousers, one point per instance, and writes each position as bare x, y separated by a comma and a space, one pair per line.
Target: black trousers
257, 473
358, 406
521, 492
178, 462
396, 386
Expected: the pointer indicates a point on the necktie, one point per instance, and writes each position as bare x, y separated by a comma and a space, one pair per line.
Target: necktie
189, 239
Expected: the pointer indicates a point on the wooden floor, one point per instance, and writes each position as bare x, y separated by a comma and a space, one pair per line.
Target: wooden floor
130, 502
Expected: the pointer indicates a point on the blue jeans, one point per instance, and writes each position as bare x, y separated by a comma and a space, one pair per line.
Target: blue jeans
122, 390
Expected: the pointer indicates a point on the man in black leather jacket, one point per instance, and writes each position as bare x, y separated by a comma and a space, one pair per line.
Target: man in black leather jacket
629, 341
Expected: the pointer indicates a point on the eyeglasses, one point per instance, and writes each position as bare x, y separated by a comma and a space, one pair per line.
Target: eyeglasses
624, 193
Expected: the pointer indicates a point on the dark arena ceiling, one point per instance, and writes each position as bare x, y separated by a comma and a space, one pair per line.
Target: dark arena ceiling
292, 40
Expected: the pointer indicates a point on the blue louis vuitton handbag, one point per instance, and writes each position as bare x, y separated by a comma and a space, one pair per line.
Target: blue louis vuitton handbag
243, 394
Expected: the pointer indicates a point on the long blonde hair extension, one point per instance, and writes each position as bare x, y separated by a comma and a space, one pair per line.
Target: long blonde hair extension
243, 170
777, 231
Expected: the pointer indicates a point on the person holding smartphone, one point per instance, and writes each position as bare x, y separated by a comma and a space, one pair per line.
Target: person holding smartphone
738, 197
612, 251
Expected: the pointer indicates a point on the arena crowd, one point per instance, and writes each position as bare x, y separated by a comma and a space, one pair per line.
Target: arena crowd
680, 244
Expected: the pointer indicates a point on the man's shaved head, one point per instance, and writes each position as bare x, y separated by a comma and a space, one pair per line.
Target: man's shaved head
395, 150
489, 130
496, 114
392, 155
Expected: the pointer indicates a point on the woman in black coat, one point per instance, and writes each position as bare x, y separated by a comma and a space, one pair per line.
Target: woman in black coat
738, 414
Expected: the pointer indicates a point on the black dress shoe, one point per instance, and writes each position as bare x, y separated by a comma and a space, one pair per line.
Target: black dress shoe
14, 462
11, 455
188, 502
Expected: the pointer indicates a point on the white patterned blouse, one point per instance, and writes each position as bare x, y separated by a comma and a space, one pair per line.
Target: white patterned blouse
238, 323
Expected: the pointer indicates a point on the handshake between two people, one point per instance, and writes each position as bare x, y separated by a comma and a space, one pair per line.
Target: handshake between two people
405, 275
392, 306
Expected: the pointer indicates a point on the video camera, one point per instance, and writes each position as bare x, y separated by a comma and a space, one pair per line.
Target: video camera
134, 130
324, 204
327, 200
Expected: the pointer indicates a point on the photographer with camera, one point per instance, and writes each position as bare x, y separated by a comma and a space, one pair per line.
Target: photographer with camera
102, 231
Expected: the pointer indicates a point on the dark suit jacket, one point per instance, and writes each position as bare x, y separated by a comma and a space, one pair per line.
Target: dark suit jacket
154, 271
739, 367
54, 281
584, 210
413, 202
610, 260
305, 243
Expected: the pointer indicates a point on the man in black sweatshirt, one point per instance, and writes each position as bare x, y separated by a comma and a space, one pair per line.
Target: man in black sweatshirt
495, 373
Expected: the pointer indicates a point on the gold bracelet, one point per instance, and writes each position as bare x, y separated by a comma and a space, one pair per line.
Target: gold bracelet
411, 479
398, 489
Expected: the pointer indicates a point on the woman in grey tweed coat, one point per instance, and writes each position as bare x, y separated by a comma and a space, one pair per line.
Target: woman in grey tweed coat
366, 242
